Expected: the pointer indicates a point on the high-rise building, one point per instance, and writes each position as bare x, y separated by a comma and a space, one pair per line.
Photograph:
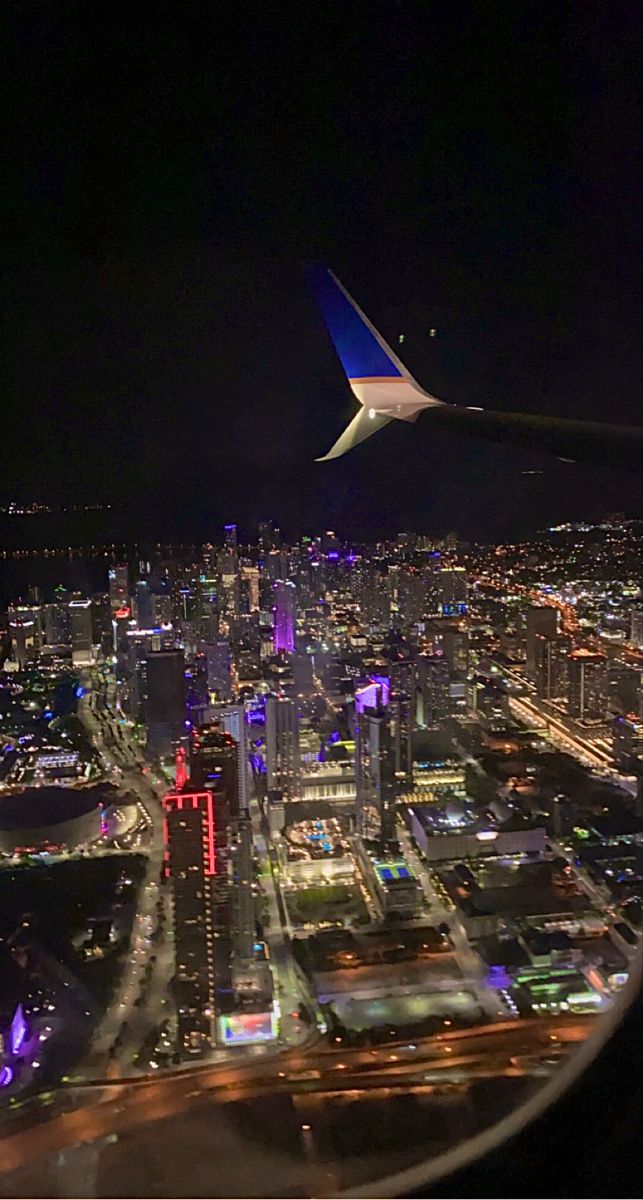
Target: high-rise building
250, 596
282, 745
24, 638
217, 654
542, 620
285, 618
455, 641
80, 618
232, 720
587, 696
433, 699
636, 634
551, 665
118, 576
143, 604
453, 588
190, 863
230, 537
165, 708
375, 773
269, 537
57, 619
627, 740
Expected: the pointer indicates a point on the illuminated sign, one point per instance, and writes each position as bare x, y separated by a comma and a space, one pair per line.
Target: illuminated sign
486, 835
242, 1029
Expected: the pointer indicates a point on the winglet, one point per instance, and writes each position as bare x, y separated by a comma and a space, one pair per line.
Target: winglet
378, 379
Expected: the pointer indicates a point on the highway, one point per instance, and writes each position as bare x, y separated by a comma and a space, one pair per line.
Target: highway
518, 1047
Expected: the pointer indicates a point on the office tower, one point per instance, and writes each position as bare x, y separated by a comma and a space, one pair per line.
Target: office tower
455, 642
232, 720
161, 609
282, 746
636, 634
80, 619
551, 665
376, 597
217, 655
214, 766
411, 595
190, 863
165, 708
230, 537
249, 584
402, 722
118, 576
276, 566
24, 640
243, 915
144, 610
587, 696
284, 614
542, 620
627, 741
433, 699
453, 589
121, 625
208, 608
269, 537
375, 773
228, 566
57, 619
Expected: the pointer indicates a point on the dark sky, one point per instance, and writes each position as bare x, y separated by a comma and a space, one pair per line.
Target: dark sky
172, 166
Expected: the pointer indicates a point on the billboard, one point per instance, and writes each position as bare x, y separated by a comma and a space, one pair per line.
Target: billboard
244, 1028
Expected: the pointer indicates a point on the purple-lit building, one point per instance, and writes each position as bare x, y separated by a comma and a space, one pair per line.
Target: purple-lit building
285, 616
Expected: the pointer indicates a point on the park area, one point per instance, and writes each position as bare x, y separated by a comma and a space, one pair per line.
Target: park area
331, 904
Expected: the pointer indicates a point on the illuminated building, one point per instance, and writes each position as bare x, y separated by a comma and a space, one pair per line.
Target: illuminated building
57, 619
434, 703
587, 696
208, 608
121, 624
542, 620
231, 537
374, 771
551, 665
217, 655
231, 719
250, 589
144, 608
118, 577
282, 745
627, 740
191, 863
80, 617
453, 591
24, 642
455, 641
636, 633
269, 536
284, 613
165, 707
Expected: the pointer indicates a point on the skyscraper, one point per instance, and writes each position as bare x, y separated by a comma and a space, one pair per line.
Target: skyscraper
190, 863
165, 706
587, 698
217, 654
284, 613
542, 620
282, 745
433, 690
551, 665
80, 616
375, 773
636, 634
453, 588
118, 577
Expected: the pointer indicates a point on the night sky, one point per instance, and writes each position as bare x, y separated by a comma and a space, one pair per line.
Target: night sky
172, 169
